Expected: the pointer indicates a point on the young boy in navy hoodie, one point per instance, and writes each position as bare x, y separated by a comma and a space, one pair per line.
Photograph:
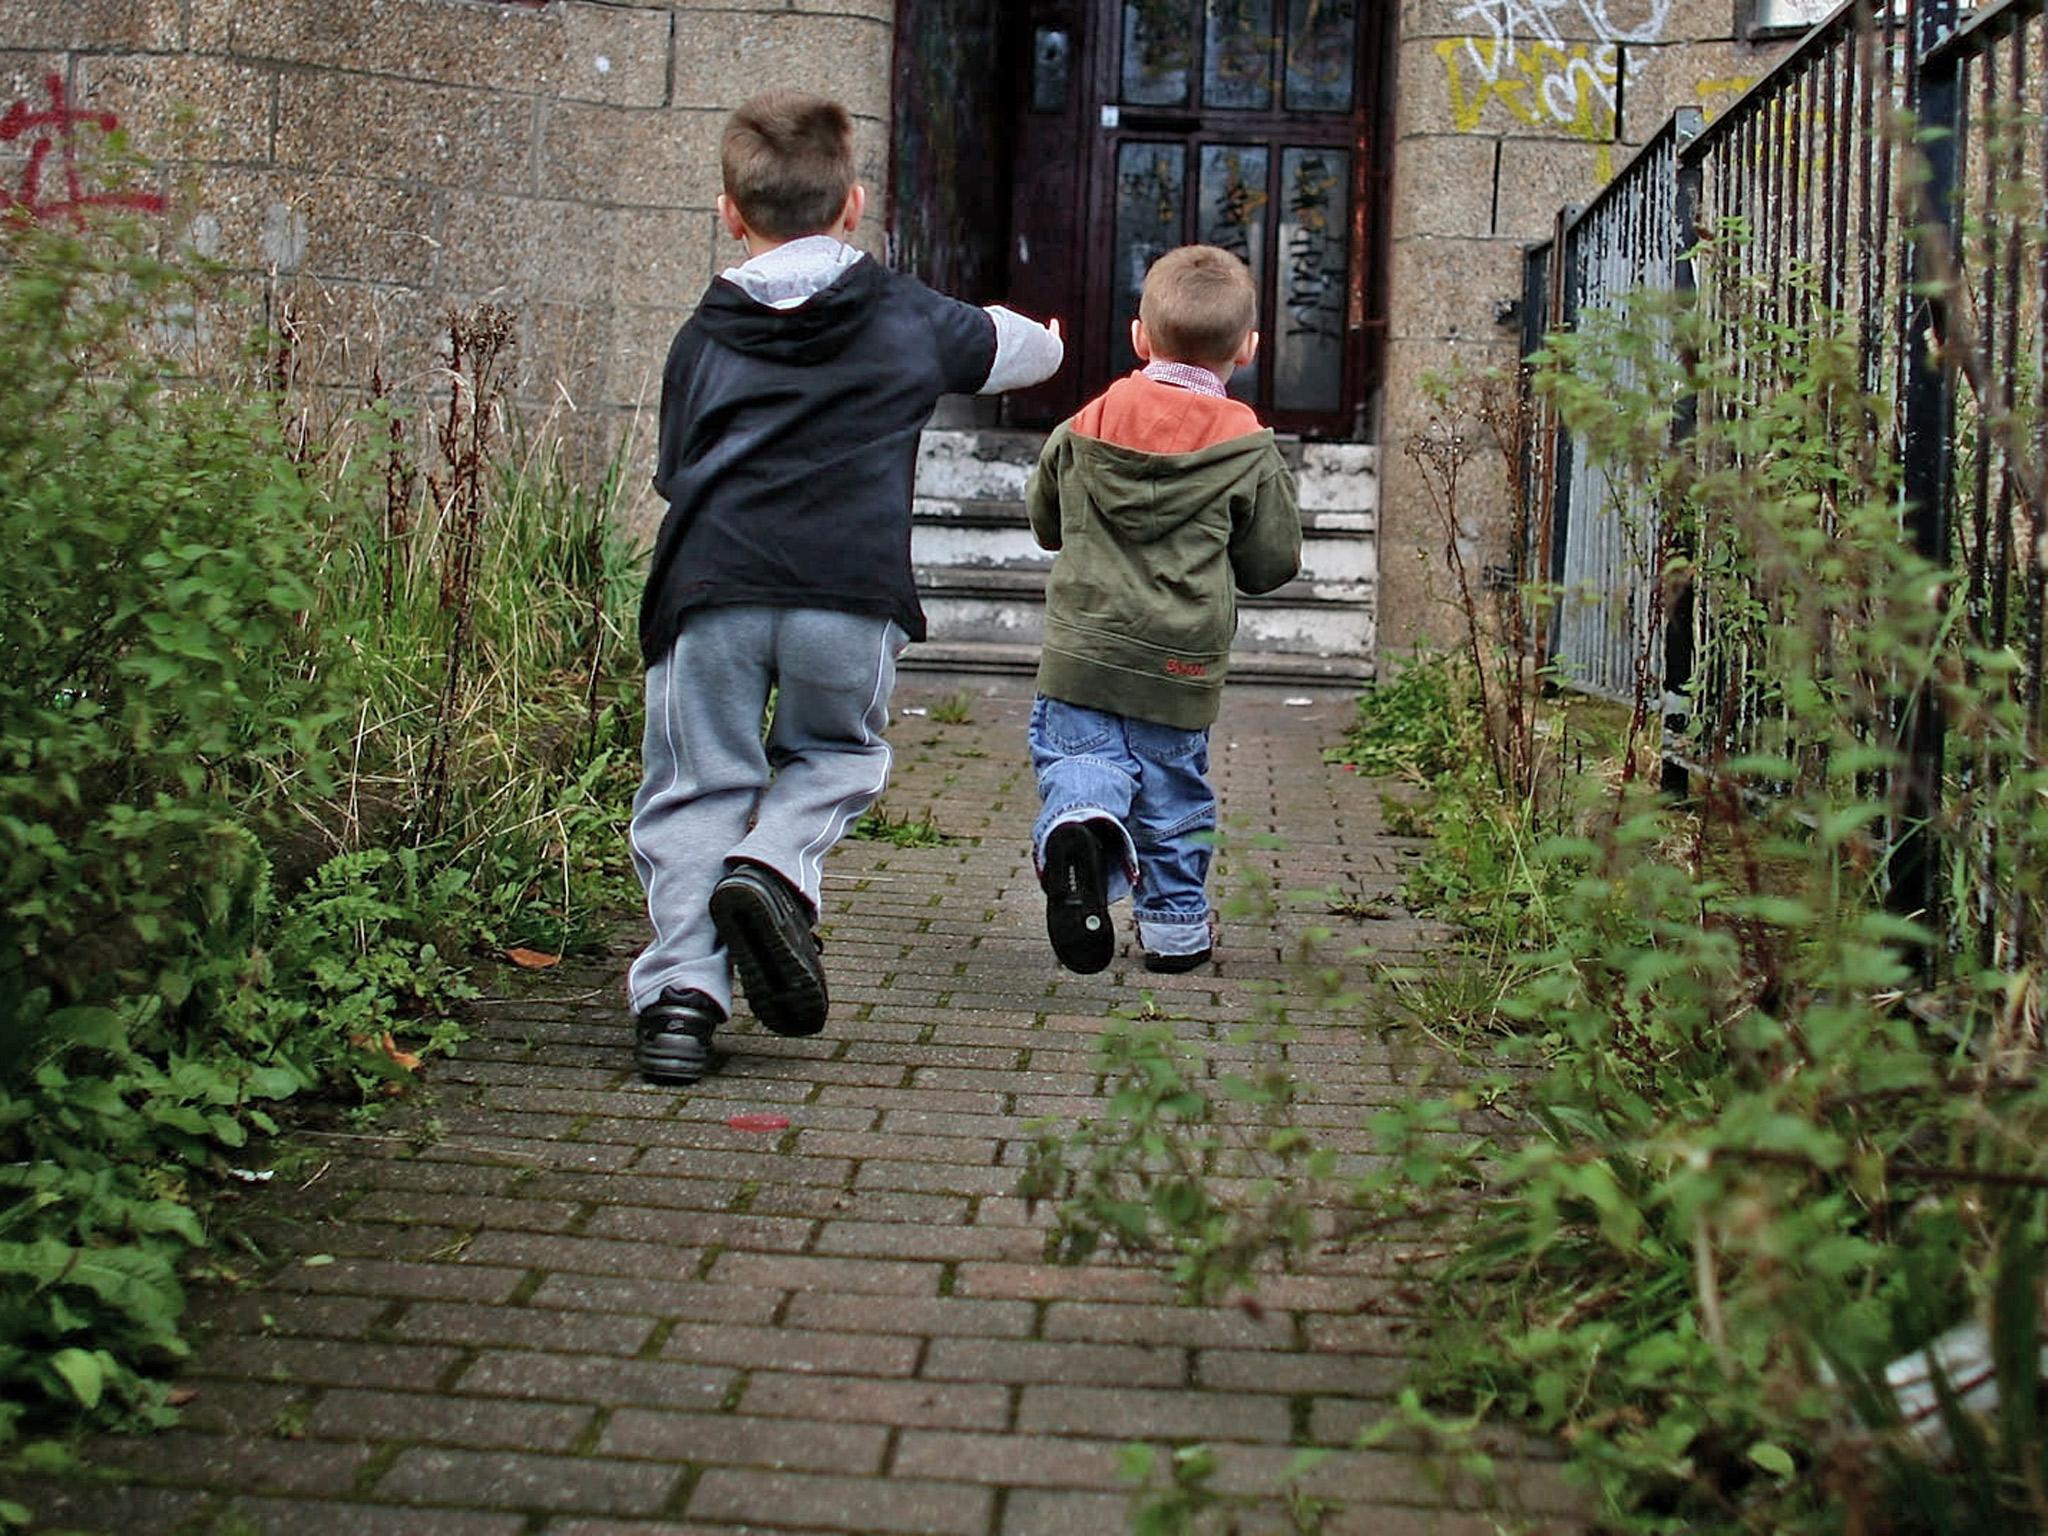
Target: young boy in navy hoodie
1163, 497
790, 412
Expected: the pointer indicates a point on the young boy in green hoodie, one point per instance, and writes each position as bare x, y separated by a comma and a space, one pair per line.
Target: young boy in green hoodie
1163, 497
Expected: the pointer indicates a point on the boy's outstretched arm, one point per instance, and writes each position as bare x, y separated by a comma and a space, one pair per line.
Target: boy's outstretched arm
1027, 353
1265, 541
1042, 490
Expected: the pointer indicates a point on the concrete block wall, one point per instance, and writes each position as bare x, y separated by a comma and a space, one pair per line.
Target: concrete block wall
1505, 111
378, 161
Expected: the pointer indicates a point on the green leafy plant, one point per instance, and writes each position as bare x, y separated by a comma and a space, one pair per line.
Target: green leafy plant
954, 709
1740, 1187
285, 733
901, 831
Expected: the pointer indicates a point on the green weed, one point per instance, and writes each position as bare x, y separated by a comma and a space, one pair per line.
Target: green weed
901, 831
953, 709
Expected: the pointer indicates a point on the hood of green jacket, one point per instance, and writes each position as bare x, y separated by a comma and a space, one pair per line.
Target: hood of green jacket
1146, 497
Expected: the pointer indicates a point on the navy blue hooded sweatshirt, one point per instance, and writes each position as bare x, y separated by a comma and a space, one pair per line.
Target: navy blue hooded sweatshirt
789, 447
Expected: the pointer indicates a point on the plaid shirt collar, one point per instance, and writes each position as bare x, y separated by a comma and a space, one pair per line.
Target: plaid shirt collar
1187, 376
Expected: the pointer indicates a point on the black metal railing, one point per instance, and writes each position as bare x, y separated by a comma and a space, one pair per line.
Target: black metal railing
1889, 171
1598, 533
1980, 500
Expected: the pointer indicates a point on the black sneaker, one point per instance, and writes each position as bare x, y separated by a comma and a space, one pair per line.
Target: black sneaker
672, 1036
766, 927
1175, 965
1077, 899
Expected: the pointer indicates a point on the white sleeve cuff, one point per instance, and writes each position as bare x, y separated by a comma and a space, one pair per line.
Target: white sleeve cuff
1026, 353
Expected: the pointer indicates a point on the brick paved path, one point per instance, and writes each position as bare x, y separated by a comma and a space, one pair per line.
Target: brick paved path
590, 1308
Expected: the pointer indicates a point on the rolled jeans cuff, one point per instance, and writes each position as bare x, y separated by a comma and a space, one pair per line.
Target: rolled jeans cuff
1175, 933
1103, 821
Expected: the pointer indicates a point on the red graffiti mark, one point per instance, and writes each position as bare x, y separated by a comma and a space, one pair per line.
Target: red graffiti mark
54, 131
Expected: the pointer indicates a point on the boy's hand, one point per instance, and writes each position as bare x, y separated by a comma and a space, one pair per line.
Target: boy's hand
1053, 325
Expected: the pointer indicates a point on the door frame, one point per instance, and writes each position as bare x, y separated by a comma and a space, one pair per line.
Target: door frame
1366, 138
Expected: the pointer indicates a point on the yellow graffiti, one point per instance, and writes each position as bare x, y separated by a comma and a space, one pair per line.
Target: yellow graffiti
1717, 96
1538, 84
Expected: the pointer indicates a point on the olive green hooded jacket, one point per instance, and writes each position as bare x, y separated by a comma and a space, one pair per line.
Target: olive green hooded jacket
1163, 504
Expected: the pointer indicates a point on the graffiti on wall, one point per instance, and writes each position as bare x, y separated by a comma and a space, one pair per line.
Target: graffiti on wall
1556, 64
52, 184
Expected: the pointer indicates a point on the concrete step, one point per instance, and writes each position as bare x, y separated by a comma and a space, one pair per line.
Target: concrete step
994, 535
982, 575
1313, 619
994, 465
1272, 667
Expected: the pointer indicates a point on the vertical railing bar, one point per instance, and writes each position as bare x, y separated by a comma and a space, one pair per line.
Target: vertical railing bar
1566, 278
1994, 246
1866, 234
1914, 868
1682, 547
1979, 602
2037, 527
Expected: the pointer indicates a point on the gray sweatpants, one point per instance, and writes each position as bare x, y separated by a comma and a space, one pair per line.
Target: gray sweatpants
715, 791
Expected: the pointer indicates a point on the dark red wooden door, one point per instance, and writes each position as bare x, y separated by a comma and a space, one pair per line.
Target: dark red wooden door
1147, 124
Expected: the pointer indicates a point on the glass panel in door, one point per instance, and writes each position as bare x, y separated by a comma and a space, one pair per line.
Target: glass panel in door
1150, 198
1322, 62
1231, 212
1237, 65
1314, 234
1160, 39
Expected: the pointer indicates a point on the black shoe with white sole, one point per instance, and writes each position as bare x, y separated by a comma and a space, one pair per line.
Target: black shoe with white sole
672, 1036
1177, 965
1077, 898
766, 927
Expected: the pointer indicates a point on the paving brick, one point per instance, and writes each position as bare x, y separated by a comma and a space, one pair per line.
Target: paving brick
1014, 1461
267, 1312
583, 1255
293, 1517
916, 1241
949, 1405
702, 1229
510, 1480
1046, 1282
792, 1273
583, 1379
1134, 1413
273, 1466
861, 1205
791, 1349
1196, 1326
1034, 1512
936, 1316
396, 1279
347, 1414
1238, 1370
590, 1333
842, 1503
684, 1299
946, 1178
708, 1439
1075, 1364
750, 1163
328, 1363
465, 1210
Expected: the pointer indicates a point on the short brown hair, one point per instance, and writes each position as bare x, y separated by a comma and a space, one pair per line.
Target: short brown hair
1198, 304
788, 163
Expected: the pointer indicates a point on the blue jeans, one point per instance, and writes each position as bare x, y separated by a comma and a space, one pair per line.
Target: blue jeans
1150, 782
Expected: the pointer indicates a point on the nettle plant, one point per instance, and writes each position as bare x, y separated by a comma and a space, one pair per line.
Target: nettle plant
1742, 1196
